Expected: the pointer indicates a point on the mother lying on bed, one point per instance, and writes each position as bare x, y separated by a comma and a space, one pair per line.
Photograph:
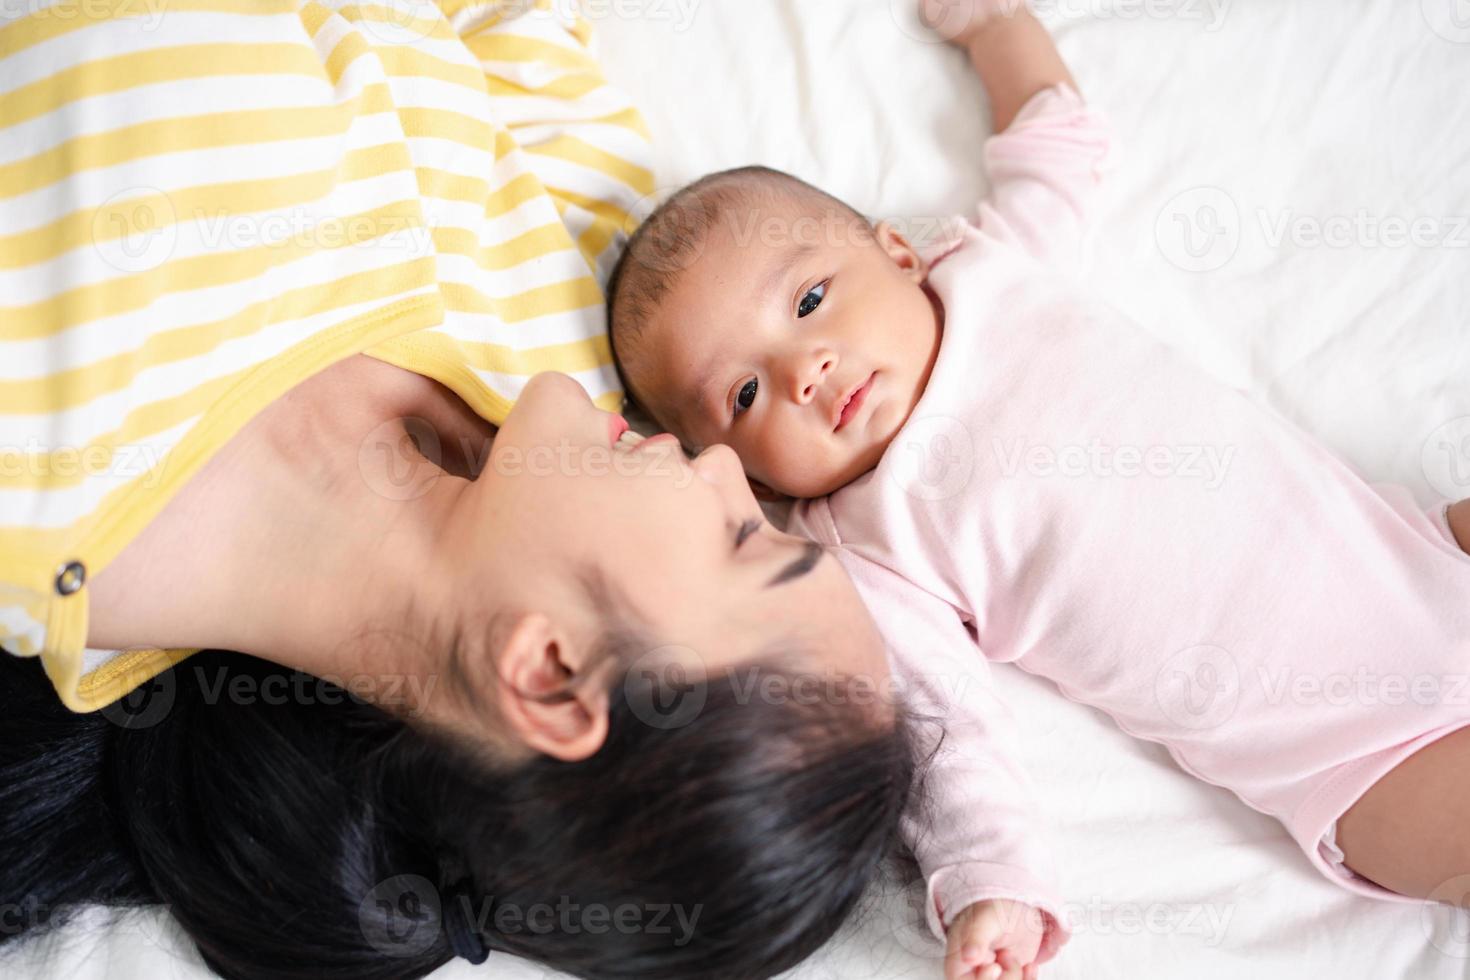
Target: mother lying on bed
272, 282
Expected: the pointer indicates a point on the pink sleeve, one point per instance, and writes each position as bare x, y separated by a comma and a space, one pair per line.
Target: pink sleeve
1044, 172
972, 825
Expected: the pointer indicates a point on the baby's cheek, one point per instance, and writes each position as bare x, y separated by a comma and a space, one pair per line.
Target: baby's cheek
781, 459
810, 468
777, 456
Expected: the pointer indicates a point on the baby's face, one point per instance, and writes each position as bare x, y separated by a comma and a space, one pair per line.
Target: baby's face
799, 338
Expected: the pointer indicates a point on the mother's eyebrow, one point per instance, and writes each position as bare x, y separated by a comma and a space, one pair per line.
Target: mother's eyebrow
811, 553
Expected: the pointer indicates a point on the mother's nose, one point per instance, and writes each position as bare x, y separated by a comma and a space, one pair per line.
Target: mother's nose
720, 466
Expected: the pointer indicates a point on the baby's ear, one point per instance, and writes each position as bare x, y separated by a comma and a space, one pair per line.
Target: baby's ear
764, 493
904, 255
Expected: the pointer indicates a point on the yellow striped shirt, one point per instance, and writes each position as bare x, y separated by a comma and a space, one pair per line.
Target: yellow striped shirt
204, 202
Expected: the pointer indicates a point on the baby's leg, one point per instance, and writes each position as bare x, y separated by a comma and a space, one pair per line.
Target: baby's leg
1410, 832
1460, 523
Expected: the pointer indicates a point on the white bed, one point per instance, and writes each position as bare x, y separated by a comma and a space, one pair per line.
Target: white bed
1311, 112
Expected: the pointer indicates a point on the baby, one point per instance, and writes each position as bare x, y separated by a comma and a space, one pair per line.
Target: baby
1011, 471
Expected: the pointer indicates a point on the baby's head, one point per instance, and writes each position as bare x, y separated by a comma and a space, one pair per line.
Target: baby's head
755, 310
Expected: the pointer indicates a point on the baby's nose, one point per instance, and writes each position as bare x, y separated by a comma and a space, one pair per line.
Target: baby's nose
810, 376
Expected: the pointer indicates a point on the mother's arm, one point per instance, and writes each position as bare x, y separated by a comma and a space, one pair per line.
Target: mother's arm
584, 139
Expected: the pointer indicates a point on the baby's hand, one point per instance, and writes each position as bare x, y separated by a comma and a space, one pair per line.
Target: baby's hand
994, 940
959, 21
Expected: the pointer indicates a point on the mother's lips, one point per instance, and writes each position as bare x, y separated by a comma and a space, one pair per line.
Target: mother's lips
847, 407
636, 442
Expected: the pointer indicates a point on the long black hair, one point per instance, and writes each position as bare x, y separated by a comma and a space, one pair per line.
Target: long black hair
316, 837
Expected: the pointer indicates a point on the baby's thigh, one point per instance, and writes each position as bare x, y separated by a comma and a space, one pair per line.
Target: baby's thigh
1460, 523
1410, 832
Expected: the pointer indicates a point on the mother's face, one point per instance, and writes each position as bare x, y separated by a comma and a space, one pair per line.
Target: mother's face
684, 540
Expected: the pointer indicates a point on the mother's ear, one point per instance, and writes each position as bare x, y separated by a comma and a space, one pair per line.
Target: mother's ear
545, 702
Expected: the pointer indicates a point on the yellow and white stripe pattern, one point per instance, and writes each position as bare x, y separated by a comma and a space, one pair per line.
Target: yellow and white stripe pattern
204, 202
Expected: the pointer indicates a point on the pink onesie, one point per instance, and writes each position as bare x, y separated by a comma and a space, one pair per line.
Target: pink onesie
1071, 496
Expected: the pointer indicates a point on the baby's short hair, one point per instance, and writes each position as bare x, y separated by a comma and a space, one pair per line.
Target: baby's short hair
672, 238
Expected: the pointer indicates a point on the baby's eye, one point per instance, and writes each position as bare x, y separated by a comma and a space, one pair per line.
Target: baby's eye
811, 300
745, 397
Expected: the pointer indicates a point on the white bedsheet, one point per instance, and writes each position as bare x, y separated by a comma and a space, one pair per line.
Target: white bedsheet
1293, 116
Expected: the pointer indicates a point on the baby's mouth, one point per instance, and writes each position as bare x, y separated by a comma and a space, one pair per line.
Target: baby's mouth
848, 407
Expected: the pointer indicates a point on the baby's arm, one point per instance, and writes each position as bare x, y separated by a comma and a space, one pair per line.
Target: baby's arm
972, 824
1045, 159
1012, 52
